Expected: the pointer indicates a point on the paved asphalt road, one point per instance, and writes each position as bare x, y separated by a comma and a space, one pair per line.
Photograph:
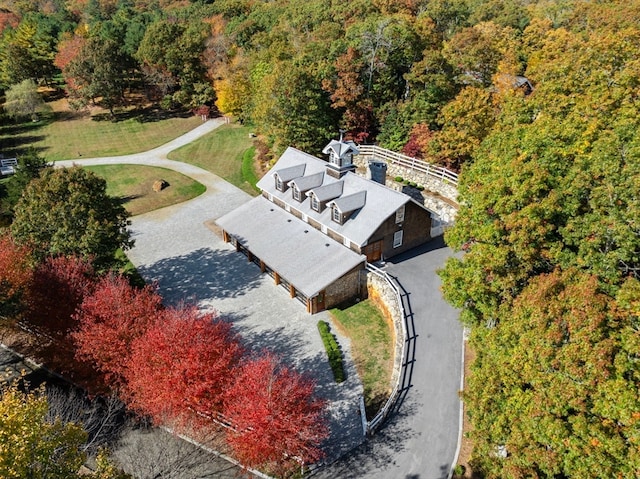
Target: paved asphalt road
420, 439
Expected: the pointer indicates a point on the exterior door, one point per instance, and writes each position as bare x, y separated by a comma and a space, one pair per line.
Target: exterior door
373, 251
320, 301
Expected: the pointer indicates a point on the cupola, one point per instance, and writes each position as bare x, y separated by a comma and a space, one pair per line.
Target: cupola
340, 156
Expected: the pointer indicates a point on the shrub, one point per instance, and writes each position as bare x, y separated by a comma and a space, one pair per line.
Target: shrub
399, 179
459, 470
412, 184
420, 188
333, 351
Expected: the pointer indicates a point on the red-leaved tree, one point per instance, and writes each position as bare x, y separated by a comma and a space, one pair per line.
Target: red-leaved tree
68, 49
59, 286
110, 319
278, 423
15, 274
181, 367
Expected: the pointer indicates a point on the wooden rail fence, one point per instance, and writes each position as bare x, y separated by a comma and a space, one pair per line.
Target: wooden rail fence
413, 164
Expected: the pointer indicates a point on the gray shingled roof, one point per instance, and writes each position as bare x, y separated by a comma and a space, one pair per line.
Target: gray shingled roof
302, 255
290, 173
347, 204
307, 182
381, 202
328, 192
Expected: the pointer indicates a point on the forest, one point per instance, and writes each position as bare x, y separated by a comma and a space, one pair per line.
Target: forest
534, 102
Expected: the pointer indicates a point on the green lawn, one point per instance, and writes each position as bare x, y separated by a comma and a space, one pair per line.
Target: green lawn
227, 152
66, 135
371, 347
134, 185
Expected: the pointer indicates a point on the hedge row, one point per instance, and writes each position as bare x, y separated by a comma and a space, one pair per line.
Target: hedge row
333, 351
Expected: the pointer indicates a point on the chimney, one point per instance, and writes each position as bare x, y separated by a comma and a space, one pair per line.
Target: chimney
377, 171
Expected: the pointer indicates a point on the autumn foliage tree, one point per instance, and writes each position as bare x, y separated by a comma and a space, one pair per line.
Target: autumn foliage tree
32, 446
182, 365
68, 50
59, 286
110, 319
278, 423
15, 274
558, 366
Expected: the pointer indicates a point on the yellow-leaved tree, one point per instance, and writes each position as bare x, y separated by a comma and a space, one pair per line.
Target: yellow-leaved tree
33, 446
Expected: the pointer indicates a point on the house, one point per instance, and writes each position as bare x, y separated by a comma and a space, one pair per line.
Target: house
317, 223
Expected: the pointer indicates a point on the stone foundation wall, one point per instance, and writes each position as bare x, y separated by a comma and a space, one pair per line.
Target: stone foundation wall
345, 288
433, 202
438, 196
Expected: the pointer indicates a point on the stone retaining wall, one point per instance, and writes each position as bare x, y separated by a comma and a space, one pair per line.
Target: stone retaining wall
383, 295
438, 196
444, 188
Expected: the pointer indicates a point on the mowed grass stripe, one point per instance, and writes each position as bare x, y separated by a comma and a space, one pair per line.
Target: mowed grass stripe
83, 137
220, 152
133, 184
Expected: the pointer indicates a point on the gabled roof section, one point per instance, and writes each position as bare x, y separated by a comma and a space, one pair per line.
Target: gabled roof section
288, 174
303, 256
305, 183
341, 148
349, 203
328, 192
381, 202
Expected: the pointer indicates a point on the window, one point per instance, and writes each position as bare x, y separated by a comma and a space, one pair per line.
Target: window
336, 215
400, 215
296, 193
397, 239
315, 204
278, 183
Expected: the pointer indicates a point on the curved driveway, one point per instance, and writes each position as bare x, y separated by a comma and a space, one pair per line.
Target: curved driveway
420, 439
174, 248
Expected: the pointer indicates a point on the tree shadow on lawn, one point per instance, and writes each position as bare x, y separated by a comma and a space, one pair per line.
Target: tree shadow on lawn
15, 146
203, 274
142, 115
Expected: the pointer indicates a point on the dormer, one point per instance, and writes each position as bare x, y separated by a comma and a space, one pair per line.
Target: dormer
343, 207
284, 176
300, 186
318, 197
340, 157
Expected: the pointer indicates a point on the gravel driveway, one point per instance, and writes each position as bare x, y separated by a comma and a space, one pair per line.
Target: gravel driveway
175, 248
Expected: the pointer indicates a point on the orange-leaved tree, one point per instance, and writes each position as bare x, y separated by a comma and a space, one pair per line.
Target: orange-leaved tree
15, 274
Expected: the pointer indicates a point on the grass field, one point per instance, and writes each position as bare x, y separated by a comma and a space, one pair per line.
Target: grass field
63, 135
134, 185
223, 152
371, 347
